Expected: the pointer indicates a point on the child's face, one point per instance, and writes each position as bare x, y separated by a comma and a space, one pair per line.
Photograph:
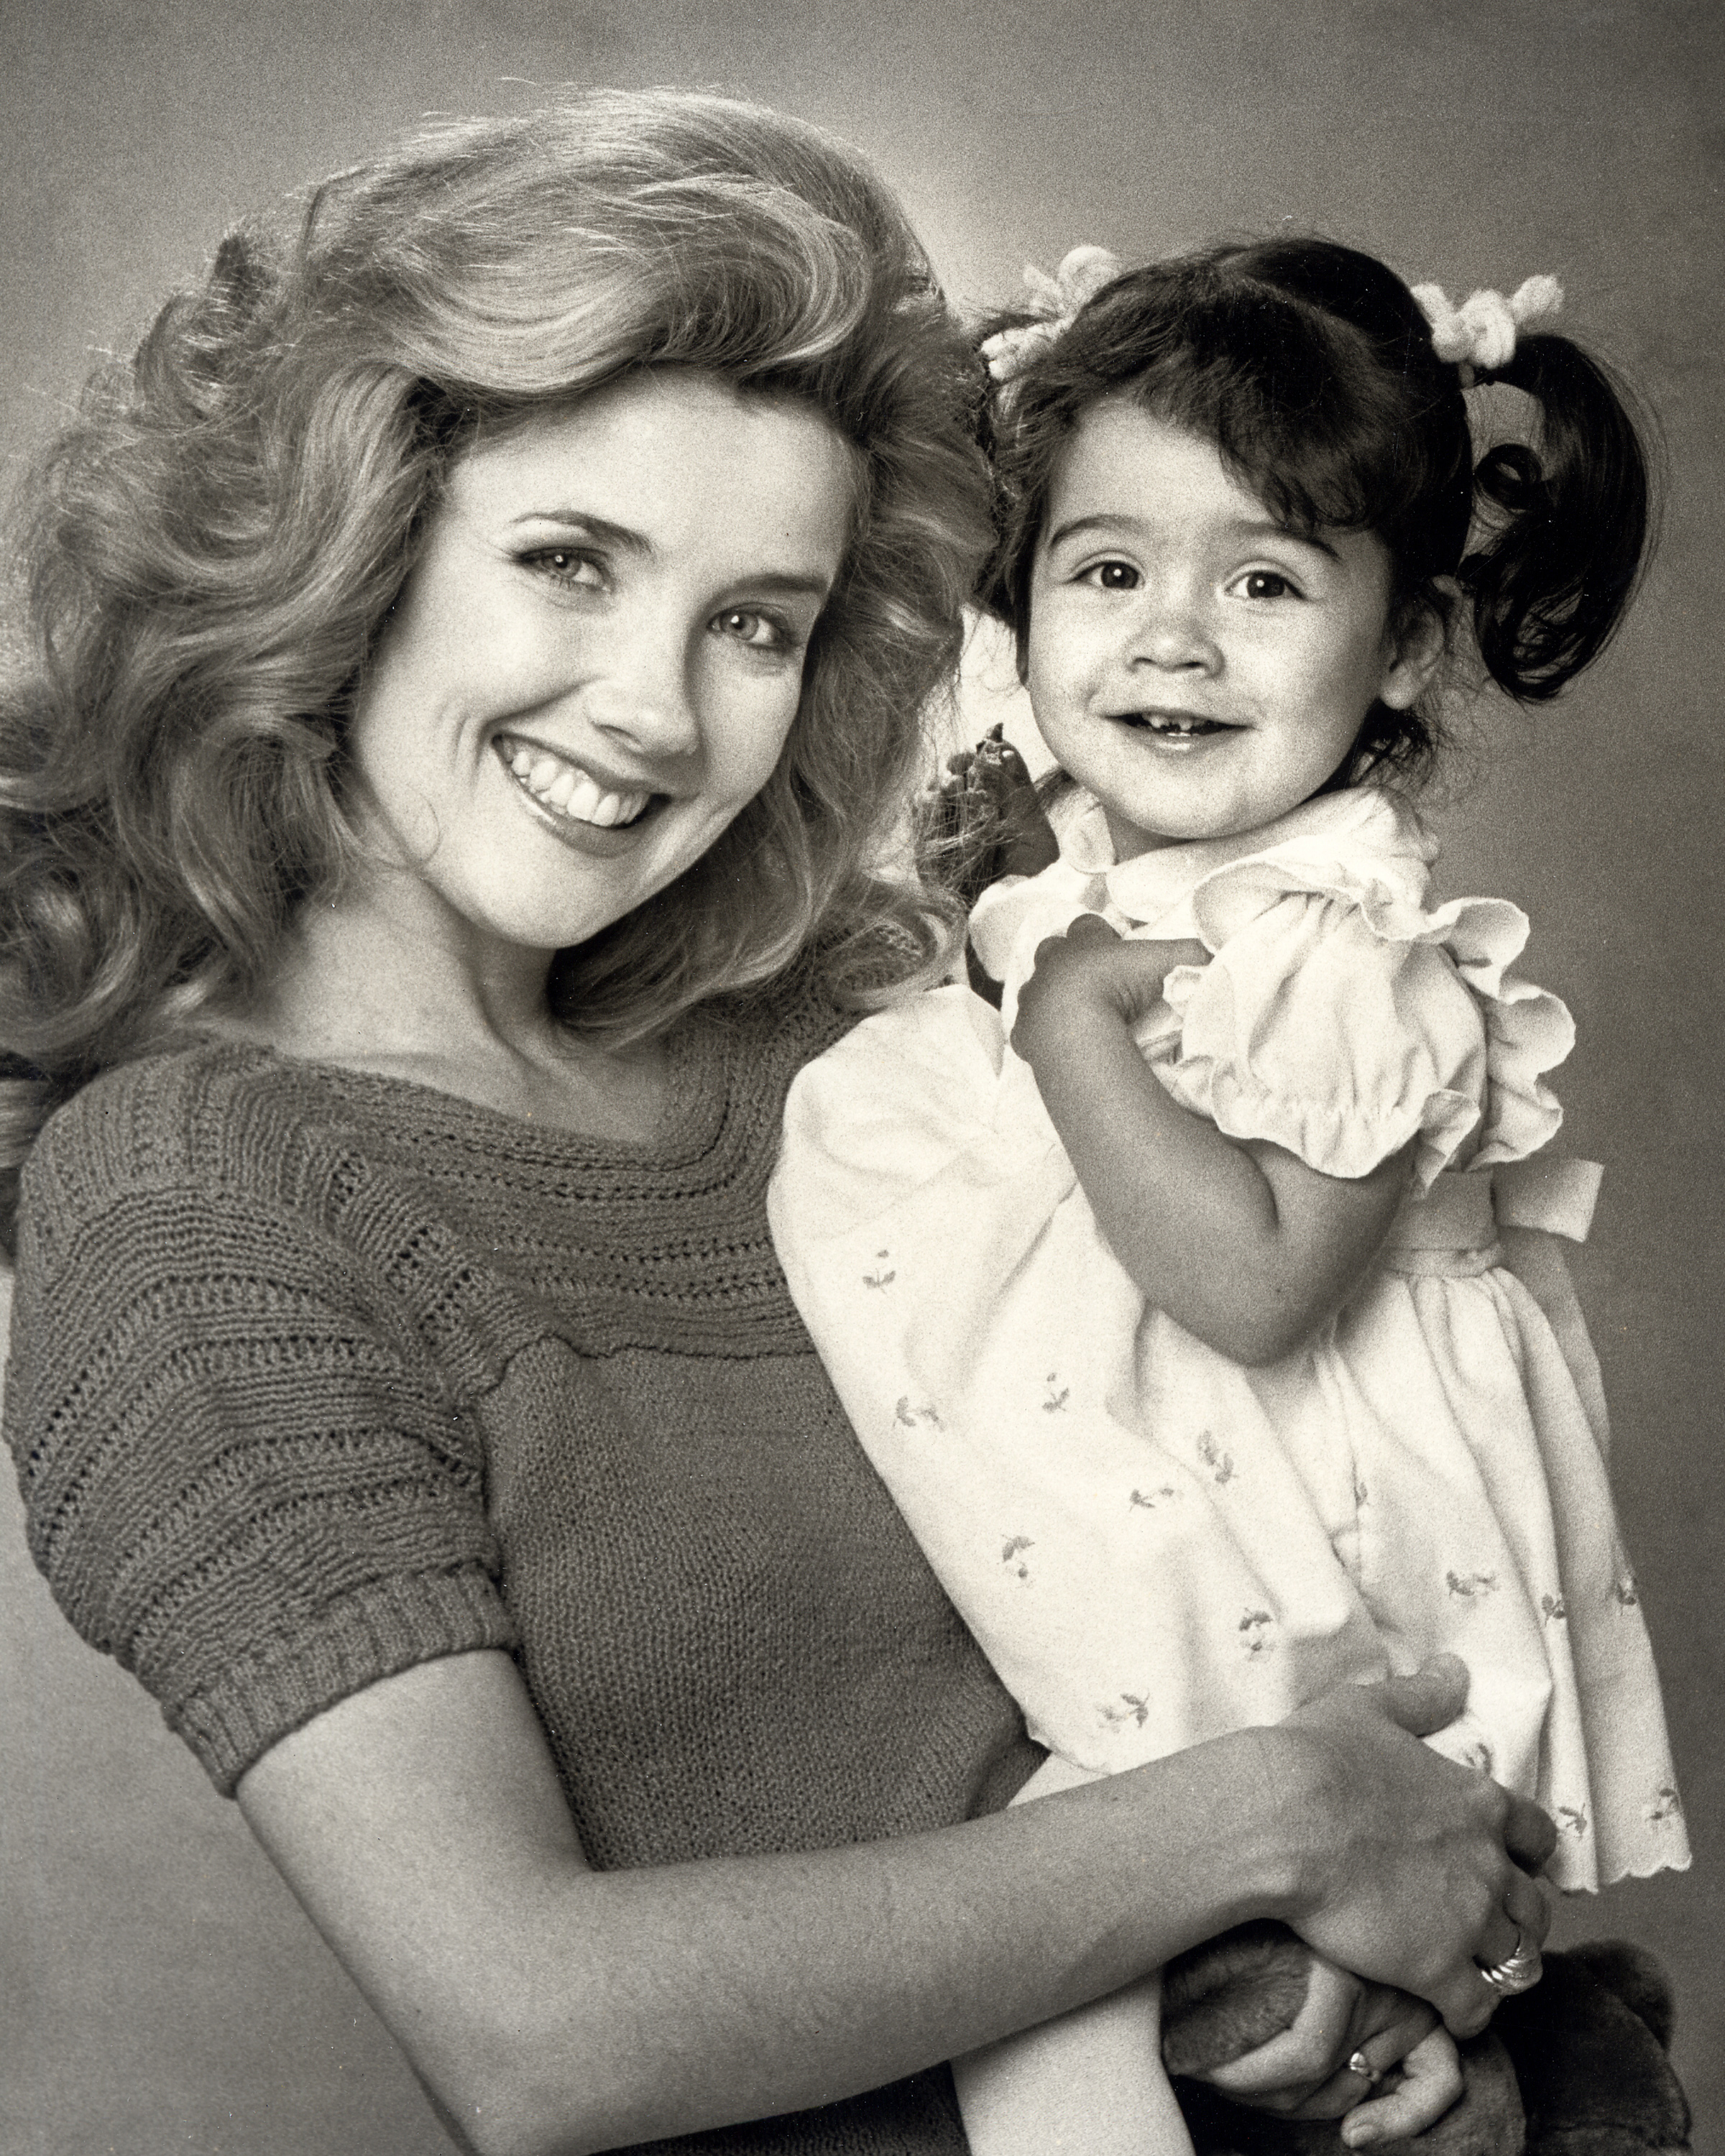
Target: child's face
1200, 669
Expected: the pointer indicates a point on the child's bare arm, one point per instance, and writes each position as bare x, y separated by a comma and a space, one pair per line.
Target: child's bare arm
1244, 1244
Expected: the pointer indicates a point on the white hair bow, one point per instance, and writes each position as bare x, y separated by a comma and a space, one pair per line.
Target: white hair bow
1480, 335
1054, 301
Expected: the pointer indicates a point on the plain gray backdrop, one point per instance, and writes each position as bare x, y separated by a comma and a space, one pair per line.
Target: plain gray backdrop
161, 1992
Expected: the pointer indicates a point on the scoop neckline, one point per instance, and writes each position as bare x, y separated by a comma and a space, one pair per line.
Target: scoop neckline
694, 1102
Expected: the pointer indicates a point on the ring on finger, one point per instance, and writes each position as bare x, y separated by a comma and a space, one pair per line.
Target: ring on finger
1519, 1973
1361, 2065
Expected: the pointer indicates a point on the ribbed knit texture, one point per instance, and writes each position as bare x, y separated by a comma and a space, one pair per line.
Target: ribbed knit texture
318, 1375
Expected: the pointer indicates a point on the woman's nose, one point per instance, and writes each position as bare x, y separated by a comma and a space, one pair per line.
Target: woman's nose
641, 692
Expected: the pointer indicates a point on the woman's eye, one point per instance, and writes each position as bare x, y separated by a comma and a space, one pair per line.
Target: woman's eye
1113, 577
760, 632
567, 565
1266, 584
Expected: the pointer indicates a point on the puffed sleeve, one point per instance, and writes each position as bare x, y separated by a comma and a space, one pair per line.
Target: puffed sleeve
1343, 1021
242, 1477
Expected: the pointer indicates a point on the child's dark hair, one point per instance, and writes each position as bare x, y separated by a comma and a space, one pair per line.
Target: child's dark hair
1311, 367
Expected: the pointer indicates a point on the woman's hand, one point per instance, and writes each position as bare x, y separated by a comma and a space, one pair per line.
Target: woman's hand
1091, 970
1413, 1871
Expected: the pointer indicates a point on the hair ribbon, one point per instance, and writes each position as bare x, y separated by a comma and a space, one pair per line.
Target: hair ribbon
1478, 337
1055, 302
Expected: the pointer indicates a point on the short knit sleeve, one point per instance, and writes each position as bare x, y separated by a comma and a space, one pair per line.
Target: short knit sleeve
1341, 1022
242, 1477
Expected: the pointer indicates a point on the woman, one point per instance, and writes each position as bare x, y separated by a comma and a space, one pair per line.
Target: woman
478, 649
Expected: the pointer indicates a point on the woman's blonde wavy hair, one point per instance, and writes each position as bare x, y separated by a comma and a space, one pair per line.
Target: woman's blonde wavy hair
209, 550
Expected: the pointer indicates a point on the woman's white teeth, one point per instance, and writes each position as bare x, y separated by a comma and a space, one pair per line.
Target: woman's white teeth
571, 791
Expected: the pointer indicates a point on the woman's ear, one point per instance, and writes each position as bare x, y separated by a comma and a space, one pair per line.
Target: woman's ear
1417, 644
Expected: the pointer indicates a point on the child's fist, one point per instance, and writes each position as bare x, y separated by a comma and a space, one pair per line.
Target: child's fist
1091, 969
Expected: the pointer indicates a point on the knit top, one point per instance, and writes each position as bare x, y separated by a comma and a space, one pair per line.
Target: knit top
316, 1375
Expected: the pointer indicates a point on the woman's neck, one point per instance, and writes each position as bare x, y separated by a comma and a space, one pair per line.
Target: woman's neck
377, 987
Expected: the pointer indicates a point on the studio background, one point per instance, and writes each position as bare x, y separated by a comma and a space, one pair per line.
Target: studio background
160, 1991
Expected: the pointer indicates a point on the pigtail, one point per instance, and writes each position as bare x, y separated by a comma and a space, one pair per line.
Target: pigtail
1566, 528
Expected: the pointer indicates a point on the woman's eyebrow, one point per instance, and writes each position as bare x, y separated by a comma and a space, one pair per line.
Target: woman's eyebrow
597, 527
789, 583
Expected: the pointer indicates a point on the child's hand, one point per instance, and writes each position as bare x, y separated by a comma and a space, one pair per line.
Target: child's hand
1416, 2093
1307, 2071
984, 821
1090, 970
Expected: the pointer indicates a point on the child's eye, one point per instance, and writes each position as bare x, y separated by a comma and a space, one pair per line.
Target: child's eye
1113, 577
567, 565
758, 631
1266, 584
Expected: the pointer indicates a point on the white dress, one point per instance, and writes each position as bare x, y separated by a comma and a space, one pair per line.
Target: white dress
1153, 1544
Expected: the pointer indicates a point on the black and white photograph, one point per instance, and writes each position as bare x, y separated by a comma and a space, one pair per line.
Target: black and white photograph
861, 1142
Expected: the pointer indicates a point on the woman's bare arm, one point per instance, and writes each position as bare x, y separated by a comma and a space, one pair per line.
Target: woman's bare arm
1244, 1245
550, 2008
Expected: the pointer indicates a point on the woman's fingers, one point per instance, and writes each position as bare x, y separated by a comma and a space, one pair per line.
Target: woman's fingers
1423, 1834
1429, 1698
1430, 2083
1529, 1835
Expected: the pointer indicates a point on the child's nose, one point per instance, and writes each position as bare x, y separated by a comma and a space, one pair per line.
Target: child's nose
1172, 631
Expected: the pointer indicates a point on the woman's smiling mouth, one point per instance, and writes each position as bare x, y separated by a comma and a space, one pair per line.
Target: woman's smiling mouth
565, 788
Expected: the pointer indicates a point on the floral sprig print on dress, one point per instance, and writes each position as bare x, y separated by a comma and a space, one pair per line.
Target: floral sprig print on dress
1667, 1805
882, 1277
1135, 1710
1055, 1402
1555, 1609
1014, 1547
1146, 1501
1254, 1633
1220, 1463
1571, 1819
1470, 1585
910, 1418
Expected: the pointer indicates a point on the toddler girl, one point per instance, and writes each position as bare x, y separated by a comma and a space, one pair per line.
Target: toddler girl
1200, 1309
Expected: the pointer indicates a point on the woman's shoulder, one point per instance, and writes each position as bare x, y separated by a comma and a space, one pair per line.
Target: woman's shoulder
213, 1118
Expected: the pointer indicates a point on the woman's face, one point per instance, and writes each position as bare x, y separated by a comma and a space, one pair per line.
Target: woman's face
597, 656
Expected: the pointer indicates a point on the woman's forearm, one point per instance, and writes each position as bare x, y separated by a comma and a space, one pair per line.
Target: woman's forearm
549, 2007
552, 2009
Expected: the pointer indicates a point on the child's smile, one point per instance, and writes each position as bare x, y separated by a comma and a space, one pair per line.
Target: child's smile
1201, 668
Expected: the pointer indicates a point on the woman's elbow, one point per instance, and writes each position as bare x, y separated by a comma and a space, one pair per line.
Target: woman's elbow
516, 2091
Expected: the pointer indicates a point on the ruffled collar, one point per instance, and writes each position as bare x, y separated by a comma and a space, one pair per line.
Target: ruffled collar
1363, 826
